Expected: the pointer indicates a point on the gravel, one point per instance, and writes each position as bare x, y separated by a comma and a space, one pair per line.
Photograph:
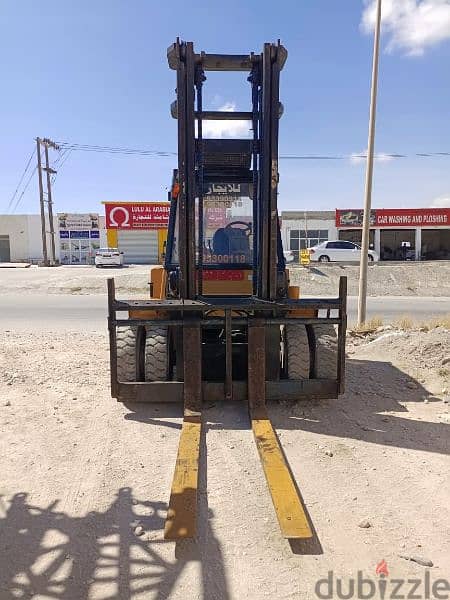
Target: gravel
89, 478
411, 279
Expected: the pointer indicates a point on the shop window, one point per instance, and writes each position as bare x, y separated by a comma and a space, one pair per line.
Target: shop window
355, 236
397, 244
435, 244
301, 239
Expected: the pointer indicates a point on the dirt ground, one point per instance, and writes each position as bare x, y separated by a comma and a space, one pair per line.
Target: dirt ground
81, 474
430, 279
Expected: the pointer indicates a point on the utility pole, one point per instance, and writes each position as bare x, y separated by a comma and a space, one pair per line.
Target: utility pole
362, 298
49, 172
41, 200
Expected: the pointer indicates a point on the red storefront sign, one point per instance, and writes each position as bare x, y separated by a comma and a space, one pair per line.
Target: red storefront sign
137, 215
395, 217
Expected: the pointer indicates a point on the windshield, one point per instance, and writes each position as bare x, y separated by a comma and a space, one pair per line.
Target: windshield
227, 228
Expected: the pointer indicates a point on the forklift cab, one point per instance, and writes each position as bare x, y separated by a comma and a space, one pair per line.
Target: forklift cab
226, 250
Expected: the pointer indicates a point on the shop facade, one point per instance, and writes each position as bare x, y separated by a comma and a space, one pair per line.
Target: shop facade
400, 233
395, 234
138, 229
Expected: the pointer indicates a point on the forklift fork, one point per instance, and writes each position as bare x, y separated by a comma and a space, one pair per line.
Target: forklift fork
285, 496
181, 521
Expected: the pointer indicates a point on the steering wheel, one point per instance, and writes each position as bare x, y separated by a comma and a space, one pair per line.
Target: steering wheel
248, 226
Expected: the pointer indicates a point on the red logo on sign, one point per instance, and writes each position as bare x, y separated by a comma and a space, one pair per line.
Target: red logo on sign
137, 215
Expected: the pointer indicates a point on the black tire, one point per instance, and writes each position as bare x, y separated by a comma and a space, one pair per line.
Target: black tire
297, 351
324, 258
324, 345
370, 258
156, 352
127, 353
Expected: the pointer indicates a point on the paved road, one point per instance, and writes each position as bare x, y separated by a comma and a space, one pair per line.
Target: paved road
87, 313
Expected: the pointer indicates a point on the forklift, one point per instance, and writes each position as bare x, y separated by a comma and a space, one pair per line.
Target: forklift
223, 322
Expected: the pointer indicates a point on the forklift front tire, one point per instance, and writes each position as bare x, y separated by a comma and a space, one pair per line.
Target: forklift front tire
156, 352
126, 341
297, 346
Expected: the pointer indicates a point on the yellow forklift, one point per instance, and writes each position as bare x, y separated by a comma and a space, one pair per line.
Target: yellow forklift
222, 322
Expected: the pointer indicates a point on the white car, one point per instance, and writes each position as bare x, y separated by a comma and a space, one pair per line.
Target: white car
108, 257
339, 251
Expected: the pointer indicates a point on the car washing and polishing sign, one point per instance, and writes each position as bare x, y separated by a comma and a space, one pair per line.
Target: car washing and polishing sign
395, 217
137, 215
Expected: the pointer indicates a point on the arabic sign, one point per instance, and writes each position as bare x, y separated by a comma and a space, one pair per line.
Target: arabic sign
229, 189
395, 217
77, 222
137, 215
222, 192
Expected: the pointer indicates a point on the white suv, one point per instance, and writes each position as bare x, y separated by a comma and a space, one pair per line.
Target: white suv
339, 251
108, 257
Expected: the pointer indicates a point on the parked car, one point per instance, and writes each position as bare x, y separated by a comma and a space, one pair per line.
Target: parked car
288, 256
108, 257
339, 251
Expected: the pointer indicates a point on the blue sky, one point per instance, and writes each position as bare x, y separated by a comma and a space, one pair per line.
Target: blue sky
96, 73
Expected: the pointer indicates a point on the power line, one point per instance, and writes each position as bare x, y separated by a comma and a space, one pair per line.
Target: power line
61, 154
164, 153
61, 160
24, 189
20, 180
115, 150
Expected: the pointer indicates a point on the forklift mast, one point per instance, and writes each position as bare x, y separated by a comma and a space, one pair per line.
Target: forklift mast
253, 341
250, 163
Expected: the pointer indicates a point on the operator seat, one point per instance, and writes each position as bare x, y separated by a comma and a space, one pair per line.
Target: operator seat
231, 241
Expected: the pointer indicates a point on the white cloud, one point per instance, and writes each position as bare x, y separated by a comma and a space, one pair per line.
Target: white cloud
226, 129
360, 157
441, 202
412, 25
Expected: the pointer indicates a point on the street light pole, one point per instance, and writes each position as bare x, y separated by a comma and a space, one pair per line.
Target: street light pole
369, 173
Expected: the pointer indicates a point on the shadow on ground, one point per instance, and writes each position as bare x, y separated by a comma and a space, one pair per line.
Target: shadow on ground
47, 553
375, 390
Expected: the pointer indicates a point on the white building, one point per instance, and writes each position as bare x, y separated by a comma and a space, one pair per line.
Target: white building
21, 240
304, 229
